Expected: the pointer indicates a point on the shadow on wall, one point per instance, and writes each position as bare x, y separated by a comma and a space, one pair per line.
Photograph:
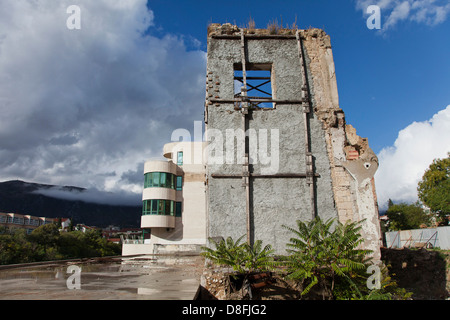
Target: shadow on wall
175, 234
423, 272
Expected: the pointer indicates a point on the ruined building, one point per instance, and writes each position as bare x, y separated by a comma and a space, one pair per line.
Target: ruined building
279, 149
276, 149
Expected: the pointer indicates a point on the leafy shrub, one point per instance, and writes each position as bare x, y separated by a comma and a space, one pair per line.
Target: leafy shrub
242, 257
47, 243
319, 255
324, 258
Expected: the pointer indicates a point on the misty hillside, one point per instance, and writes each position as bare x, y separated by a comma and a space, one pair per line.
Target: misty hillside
31, 198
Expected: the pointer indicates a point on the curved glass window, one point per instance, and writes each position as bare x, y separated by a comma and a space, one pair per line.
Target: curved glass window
158, 207
159, 179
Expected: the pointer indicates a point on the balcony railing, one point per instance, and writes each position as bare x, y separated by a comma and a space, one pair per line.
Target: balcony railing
133, 241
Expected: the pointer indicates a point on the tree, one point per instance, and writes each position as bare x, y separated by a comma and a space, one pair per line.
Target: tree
71, 244
434, 188
78, 244
47, 243
390, 203
14, 247
46, 236
407, 216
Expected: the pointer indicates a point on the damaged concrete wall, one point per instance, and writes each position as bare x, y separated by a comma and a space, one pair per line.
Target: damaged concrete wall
342, 162
352, 162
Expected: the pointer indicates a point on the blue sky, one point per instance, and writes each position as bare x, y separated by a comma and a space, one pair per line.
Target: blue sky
385, 81
87, 107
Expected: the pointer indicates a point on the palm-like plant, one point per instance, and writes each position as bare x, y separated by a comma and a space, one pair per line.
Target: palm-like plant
227, 252
243, 258
322, 251
257, 258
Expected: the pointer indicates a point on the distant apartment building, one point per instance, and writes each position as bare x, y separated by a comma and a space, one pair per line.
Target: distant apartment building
28, 222
173, 202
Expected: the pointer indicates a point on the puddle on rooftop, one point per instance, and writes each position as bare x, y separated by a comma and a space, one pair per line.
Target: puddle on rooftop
146, 277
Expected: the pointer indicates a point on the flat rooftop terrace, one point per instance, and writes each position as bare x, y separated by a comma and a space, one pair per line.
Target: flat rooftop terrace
146, 277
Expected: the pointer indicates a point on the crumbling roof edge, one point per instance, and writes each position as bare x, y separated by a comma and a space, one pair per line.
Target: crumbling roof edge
229, 31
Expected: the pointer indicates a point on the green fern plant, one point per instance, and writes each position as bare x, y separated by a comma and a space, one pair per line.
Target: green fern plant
226, 252
257, 257
243, 258
323, 251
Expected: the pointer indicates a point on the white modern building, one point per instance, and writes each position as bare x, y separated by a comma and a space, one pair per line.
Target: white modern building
173, 202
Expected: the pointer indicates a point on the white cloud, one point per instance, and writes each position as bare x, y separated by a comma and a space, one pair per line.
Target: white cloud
86, 107
403, 164
429, 12
93, 196
400, 12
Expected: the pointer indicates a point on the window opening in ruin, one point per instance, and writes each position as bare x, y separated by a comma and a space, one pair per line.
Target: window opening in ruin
259, 84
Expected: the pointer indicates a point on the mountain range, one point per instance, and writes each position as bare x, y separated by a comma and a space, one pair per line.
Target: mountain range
35, 199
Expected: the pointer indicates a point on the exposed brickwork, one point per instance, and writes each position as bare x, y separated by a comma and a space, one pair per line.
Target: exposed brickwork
354, 192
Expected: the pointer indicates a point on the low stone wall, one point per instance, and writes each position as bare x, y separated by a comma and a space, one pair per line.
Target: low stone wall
424, 272
134, 249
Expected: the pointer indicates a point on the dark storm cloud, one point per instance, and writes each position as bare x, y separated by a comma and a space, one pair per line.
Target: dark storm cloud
77, 105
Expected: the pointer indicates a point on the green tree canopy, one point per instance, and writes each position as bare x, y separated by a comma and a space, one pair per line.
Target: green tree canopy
45, 235
48, 243
434, 188
407, 216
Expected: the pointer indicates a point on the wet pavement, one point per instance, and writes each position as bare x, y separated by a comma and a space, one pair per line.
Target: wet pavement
137, 278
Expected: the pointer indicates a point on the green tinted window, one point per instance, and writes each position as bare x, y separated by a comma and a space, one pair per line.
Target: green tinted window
177, 209
163, 179
154, 206
156, 176
159, 180
179, 183
159, 207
